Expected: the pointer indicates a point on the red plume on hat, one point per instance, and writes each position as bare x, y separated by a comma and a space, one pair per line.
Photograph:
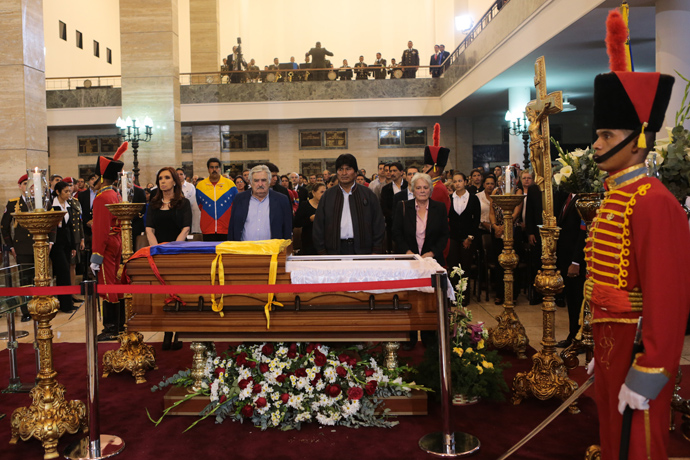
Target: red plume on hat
616, 36
435, 154
122, 149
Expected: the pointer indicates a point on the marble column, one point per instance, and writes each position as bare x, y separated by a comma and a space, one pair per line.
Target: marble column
205, 38
206, 144
672, 52
464, 141
23, 122
151, 80
518, 98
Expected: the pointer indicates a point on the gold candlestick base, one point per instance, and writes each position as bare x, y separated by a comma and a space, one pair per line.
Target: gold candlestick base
509, 332
49, 416
133, 355
548, 377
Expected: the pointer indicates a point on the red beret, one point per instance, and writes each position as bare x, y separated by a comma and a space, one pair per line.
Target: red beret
23, 178
68, 180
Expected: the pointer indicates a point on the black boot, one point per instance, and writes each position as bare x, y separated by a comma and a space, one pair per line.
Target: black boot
109, 322
176, 345
25, 313
167, 340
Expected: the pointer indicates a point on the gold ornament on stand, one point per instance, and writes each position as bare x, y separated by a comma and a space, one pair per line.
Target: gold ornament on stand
509, 332
133, 355
548, 377
49, 416
587, 205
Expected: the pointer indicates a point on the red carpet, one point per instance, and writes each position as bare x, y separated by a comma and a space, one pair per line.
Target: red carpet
497, 425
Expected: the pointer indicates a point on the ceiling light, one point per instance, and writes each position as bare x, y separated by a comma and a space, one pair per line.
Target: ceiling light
464, 23
567, 106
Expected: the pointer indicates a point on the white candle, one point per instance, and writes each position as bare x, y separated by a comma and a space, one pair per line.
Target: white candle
38, 190
123, 186
507, 184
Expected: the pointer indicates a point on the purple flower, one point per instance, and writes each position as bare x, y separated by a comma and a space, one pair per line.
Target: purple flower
476, 331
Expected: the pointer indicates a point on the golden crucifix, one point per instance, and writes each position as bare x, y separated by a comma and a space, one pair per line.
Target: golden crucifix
548, 377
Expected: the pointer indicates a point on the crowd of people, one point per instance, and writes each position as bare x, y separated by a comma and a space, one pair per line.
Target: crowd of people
236, 70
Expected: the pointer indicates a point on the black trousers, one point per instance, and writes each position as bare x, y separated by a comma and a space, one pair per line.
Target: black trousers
60, 255
574, 295
457, 254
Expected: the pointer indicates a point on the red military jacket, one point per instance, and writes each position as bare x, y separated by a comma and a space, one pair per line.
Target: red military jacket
638, 259
440, 193
104, 222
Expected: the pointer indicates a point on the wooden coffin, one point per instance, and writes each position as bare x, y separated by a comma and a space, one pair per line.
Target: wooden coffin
308, 316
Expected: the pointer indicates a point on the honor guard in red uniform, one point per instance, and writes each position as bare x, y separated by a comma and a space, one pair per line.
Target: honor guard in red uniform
637, 253
435, 160
106, 245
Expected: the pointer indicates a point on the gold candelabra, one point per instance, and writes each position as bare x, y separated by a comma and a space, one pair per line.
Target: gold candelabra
548, 376
587, 205
509, 332
49, 416
133, 355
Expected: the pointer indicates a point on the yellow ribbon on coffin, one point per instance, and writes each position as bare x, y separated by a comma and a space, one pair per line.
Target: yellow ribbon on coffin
262, 247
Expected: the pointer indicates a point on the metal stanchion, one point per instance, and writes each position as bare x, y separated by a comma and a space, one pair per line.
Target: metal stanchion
95, 445
446, 443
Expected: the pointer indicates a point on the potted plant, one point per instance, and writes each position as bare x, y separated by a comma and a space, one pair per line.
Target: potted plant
475, 371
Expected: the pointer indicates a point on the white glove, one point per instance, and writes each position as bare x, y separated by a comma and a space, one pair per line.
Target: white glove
95, 268
590, 367
627, 397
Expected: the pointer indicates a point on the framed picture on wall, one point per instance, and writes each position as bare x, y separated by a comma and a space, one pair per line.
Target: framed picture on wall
415, 137
86, 170
310, 140
109, 144
390, 137
257, 141
336, 139
187, 141
88, 145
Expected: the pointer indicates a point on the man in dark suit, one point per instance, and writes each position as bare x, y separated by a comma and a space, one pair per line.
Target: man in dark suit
444, 55
570, 253
380, 71
435, 60
253, 209
297, 186
17, 239
406, 194
397, 185
410, 57
318, 58
345, 72
532, 219
361, 69
85, 199
349, 218
235, 63
274, 180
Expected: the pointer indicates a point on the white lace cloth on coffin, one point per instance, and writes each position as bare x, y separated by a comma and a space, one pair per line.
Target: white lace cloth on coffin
357, 271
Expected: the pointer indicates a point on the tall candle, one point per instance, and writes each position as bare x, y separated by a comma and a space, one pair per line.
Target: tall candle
38, 190
507, 183
123, 186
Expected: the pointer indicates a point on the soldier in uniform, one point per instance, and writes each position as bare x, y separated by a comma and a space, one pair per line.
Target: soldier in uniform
106, 243
17, 239
361, 69
345, 72
637, 257
380, 71
410, 57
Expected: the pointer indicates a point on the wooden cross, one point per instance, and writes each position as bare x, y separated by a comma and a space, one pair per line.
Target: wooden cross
538, 112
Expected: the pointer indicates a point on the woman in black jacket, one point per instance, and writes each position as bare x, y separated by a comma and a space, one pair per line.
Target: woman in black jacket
420, 226
168, 218
65, 242
463, 218
304, 218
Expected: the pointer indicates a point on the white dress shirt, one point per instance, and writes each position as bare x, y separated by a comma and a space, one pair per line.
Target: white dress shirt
346, 229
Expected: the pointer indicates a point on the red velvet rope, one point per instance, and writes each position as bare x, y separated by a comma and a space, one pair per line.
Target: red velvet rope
227, 289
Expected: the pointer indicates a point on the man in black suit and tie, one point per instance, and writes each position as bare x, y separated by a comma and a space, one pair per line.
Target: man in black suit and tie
17, 240
318, 58
532, 219
297, 186
570, 253
380, 71
435, 60
235, 63
444, 55
85, 198
397, 185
